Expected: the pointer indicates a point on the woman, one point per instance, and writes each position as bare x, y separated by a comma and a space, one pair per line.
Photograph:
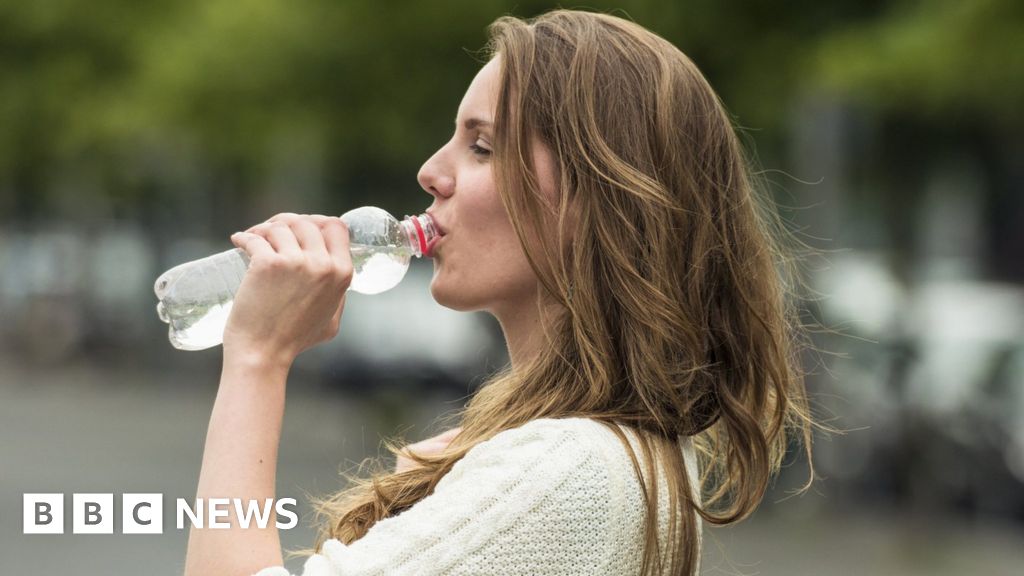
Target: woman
595, 200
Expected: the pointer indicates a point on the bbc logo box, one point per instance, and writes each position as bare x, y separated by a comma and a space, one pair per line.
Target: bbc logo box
93, 513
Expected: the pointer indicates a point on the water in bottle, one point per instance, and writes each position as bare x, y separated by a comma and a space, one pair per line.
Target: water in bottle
196, 297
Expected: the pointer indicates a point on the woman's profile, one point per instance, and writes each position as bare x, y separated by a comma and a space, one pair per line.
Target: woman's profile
594, 198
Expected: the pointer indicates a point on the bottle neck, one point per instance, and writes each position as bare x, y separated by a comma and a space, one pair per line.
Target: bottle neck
420, 232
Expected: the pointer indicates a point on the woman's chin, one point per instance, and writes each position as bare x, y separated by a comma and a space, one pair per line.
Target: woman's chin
438, 291
444, 294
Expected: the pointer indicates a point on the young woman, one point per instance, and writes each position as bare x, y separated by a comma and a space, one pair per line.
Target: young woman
595, 200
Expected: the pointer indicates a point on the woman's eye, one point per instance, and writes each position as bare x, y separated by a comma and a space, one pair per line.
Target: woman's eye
479, 150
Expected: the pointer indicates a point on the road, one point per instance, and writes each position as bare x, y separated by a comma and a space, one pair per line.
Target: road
84, 429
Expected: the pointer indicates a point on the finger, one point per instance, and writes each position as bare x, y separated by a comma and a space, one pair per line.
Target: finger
283, 217
336, 319
309, 237
261, 229
319, 219
286, 217
281, 237
253, 244
335, 234
332, 329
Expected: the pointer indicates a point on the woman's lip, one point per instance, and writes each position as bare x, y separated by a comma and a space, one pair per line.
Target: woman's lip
437, 224
432, 246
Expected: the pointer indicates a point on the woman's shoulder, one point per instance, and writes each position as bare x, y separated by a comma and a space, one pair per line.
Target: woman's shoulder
588, 440
598, 450
540, 446
551, 435
548, 454
557, 493
603, 481
586, 432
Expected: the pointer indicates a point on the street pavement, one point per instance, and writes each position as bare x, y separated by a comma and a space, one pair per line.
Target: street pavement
81, 428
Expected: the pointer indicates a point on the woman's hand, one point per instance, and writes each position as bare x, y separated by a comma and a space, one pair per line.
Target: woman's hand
293, 295
428, 447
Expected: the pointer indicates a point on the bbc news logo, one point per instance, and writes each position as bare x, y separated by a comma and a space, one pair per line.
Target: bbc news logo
143, 513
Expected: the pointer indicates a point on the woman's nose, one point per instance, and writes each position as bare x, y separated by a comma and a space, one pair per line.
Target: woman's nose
435, 179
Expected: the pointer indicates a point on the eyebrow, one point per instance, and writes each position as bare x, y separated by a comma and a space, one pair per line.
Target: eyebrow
472, 123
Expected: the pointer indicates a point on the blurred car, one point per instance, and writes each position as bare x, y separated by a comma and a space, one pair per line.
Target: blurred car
931, 384
402, 340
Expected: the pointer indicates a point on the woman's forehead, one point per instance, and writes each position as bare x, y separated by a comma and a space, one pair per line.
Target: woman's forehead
482, 95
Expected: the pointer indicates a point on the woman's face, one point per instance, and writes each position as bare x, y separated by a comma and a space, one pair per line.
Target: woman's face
479, 264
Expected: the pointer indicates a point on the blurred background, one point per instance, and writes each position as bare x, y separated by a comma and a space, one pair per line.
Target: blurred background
136, 136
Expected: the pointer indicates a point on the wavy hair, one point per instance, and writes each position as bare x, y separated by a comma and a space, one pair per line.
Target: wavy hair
673, 290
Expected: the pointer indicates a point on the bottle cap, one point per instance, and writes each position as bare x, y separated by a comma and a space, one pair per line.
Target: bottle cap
421, 232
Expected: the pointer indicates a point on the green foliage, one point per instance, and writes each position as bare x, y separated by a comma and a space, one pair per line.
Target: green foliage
221, 86
941, 59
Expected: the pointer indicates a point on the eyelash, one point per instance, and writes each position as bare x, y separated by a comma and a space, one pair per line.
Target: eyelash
479, 150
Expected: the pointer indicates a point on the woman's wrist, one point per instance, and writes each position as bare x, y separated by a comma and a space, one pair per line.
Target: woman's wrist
260, 361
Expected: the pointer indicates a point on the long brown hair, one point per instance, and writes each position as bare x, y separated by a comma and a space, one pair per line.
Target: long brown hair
675, 313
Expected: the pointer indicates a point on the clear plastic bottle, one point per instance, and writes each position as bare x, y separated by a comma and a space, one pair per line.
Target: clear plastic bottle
196, 297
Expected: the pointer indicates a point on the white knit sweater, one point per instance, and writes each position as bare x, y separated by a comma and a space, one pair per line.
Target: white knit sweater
552, 497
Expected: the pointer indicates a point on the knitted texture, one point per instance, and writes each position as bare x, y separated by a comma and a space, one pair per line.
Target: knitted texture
552, 497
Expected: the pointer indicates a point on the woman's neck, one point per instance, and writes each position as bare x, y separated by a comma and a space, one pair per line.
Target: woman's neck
523, 329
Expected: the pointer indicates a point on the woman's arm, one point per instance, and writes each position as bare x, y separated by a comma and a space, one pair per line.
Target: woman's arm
291, 298
240, 461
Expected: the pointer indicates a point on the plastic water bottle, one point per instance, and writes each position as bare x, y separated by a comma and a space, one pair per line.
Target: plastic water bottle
196, 297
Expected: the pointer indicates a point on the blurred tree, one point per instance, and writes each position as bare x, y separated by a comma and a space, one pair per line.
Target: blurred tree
186, 103
941, 60
941, 84
62, 63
